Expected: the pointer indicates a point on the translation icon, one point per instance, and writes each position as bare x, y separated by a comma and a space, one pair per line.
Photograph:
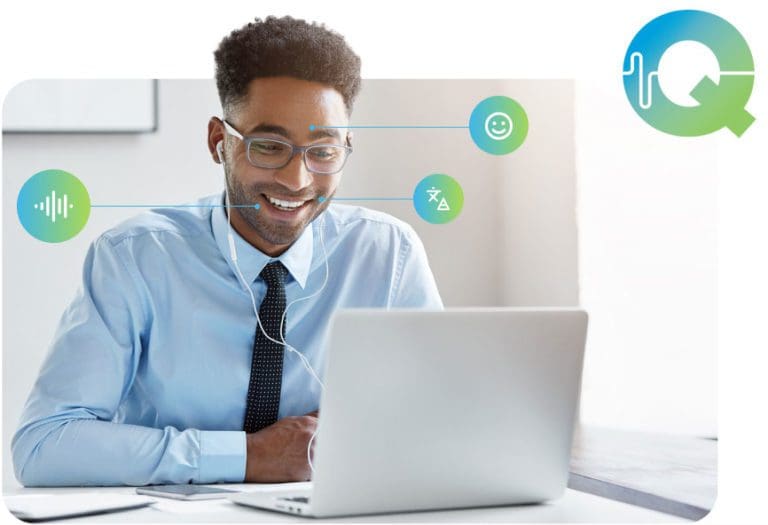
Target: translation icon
53, 206
438, 198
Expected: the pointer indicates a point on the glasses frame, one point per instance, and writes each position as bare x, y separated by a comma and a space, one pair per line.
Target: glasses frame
294, 150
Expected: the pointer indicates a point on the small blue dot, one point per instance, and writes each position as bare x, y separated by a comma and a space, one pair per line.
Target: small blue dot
321, 199
311, 127
256, 206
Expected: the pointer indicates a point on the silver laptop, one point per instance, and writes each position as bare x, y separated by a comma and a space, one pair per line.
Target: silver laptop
442, 409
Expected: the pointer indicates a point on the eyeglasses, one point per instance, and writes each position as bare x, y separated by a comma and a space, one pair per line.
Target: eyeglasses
325, 159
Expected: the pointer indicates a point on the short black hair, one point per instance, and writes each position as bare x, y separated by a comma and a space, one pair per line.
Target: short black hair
289, 47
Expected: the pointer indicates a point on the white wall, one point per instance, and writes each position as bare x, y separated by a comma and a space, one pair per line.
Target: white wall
518, 225
647, 263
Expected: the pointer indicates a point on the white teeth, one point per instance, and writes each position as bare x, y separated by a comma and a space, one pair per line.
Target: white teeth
285, 204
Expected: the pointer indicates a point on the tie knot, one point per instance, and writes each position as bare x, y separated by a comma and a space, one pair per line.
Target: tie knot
274, 274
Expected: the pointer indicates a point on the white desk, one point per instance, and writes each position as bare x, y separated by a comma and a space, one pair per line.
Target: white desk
574, 507
671, 474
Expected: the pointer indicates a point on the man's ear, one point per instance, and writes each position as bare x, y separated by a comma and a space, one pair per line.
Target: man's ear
349, 138
215, 136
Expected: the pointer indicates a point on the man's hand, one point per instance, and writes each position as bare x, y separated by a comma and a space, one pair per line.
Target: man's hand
278, 452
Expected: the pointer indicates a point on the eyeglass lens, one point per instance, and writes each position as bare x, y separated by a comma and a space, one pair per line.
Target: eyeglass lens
320, 158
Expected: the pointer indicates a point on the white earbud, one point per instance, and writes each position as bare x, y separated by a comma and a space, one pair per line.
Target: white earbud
220, 151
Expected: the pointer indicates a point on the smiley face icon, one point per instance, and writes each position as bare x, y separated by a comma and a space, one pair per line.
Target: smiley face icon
498, 125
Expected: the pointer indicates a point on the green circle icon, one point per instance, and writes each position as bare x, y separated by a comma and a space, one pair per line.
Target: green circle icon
438, 198
498, 125
53, 206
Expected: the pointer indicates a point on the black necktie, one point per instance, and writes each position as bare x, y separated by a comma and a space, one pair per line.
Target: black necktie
267, 361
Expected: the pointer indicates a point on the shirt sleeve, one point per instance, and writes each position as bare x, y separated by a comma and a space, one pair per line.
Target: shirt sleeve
414, 285
67, 436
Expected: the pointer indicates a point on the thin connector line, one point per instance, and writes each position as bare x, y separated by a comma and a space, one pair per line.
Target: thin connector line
174, 206
312, 127
373, 198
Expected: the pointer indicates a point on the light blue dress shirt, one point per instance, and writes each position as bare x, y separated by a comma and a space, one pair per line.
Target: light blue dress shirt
146, 379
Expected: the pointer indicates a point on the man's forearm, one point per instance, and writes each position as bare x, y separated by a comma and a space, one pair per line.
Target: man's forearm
94, 452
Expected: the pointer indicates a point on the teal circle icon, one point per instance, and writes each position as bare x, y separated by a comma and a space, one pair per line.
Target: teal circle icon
498, 125
53, 206
438, 198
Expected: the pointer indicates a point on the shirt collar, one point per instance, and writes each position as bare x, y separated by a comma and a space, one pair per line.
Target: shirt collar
297, 258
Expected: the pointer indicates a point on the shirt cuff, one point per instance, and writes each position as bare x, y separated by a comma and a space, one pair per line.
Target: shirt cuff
222, 456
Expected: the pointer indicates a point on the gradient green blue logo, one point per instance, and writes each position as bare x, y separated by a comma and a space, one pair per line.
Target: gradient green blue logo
720, 104
438, 198
498, 125
53, 206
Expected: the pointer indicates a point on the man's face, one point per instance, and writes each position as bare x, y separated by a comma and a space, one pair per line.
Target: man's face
282, 108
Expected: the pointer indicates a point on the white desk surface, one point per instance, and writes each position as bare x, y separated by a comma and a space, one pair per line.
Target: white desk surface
574, 507
672, 474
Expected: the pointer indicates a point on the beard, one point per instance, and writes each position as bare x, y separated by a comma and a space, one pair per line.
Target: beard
273, 231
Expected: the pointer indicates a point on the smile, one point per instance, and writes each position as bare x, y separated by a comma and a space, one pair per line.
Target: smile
498, 126
285, 205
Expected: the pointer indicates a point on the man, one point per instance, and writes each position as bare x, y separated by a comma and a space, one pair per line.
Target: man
159, 372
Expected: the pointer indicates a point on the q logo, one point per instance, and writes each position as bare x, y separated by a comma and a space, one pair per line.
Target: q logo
719, 104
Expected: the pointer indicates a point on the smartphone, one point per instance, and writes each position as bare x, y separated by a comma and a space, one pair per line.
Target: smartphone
185, 492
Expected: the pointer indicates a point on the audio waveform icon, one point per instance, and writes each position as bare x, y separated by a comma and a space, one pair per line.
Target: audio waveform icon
54, 207
645, 84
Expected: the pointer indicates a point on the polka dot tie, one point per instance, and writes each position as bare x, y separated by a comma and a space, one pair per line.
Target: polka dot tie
267, 361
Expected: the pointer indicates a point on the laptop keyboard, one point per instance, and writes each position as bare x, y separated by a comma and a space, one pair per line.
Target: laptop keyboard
297, 499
